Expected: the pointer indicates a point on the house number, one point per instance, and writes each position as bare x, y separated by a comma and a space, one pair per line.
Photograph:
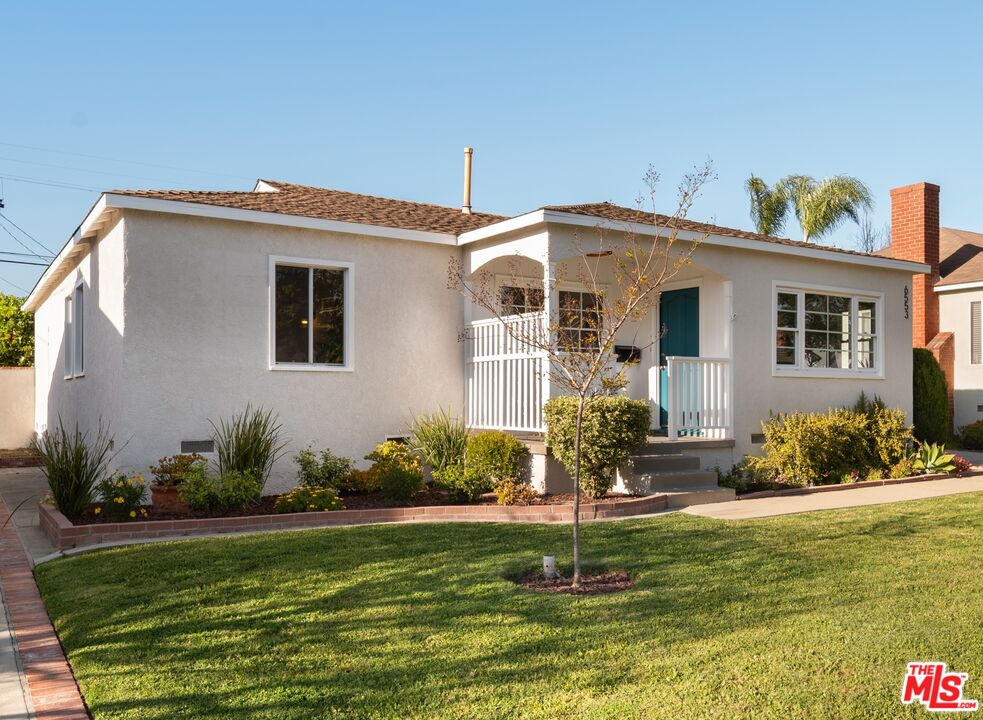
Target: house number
906, 294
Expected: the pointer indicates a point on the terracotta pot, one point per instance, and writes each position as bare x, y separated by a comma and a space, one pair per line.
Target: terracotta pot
166, 498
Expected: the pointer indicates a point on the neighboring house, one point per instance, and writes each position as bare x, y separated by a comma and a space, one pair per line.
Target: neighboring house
946, 305
167, 309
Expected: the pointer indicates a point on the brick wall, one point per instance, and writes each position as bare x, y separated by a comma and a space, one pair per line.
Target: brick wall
915, 236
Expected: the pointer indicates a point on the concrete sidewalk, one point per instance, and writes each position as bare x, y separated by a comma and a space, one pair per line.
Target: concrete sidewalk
791, 504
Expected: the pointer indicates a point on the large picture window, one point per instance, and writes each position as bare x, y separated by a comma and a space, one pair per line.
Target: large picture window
826, 331
311, 315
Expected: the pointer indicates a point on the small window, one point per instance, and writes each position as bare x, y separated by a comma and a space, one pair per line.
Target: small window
520, 300
974, 333
68, 341
580, 320
78, 331
310, 323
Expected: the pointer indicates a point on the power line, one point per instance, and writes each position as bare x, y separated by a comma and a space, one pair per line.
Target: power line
19, 254
19, 242
127, 162
52, 183
21, 262
13, 284
38, 242
83, 170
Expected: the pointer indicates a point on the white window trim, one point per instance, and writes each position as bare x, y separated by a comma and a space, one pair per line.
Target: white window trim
349, 286
70, 369
876, 373
78, 359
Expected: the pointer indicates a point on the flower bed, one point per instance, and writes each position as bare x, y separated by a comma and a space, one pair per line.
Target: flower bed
63, 534
851, 486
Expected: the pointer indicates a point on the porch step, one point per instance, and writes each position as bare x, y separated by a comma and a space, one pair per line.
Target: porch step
697, 495
651, 464
663, 446
679, 479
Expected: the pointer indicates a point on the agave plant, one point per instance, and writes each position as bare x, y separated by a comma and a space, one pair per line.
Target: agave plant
931, 458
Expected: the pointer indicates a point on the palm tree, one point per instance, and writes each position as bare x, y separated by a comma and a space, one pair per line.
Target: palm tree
820, 206
769, 206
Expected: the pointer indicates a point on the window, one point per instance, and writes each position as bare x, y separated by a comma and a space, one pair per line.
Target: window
310, 322
74, 333
821, 331
974, 333
580, 318
519, 300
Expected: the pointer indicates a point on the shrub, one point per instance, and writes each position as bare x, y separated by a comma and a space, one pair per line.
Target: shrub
902, 469
121, 497
495, 456
218, 493
248, 443
326, 470
397, 483
16, 332
515, 492
363, 482
440, 439
171, 471
73, 463
613, 428
821, 448
307, 499
462, 483
971, 436
930, 398
962, 464
396, 452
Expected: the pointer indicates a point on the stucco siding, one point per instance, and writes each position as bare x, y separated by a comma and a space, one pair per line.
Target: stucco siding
198, 341
97, 395
954, 317
17, 406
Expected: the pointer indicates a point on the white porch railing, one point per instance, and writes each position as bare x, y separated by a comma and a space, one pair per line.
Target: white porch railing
506, 382
700, 397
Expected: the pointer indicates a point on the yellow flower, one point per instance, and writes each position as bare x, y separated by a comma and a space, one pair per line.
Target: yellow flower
118, 500
133, 513
143, 511
97, 510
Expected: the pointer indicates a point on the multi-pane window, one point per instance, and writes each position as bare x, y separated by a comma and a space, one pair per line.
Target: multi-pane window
825, 331
518, 300
974, 333
579, 320
309, 315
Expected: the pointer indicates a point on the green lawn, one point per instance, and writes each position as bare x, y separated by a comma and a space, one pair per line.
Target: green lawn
808, 616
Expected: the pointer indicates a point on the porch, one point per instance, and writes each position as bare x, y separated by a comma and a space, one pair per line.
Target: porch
678, 357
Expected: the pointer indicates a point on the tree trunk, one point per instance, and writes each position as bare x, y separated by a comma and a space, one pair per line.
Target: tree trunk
576, 492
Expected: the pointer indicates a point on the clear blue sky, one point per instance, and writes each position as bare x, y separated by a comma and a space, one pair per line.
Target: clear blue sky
564, 102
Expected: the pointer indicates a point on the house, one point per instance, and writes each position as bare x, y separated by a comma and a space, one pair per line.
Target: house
945, 304
169, 308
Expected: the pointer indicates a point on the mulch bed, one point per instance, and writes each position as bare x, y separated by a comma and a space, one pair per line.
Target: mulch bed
372, 501
596, 584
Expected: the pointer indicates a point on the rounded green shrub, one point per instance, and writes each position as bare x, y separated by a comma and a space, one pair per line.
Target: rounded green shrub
495, 456
397, 483
971, 436
930, 398
613, 428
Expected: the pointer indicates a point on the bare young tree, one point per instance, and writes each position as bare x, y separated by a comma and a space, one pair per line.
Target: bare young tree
869, 238
636, 253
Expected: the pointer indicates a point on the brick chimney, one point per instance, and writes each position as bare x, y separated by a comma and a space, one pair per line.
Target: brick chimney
915, 236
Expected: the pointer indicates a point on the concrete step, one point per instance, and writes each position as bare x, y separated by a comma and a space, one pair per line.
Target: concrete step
686, 496
657, 482
650, 464
662, 446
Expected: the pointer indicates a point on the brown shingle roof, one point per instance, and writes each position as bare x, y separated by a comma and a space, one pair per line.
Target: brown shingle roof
961, 255
618, 213
307, 201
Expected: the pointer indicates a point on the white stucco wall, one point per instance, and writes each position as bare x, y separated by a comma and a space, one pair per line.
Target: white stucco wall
968, 386
16, 406
197, 344
97, 395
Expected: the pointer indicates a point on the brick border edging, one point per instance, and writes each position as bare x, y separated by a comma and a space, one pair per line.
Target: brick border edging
20, 461
53, 691
854, 486
63, 535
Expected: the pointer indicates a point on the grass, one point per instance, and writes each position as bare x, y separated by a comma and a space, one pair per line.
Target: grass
807, 616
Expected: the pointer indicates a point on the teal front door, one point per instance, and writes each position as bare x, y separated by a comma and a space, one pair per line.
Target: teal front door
679, 323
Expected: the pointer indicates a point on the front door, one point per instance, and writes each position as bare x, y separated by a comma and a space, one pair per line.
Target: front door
679, 323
